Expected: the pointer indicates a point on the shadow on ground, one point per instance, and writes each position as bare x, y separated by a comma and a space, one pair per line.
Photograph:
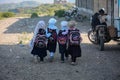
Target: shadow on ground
16, 64
28, 24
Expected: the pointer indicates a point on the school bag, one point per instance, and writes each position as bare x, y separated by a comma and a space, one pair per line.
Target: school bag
41, 40
53, 37
62, 39
74, 37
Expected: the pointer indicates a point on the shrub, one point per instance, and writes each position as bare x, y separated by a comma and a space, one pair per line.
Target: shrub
0, 15
59, 13
34, 15
7, 14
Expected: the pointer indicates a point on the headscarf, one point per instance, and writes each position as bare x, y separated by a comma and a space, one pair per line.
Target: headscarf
51, 23
40, 25
64, 25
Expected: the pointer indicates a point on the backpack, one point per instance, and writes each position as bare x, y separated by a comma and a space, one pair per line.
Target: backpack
74, 37
53, 37
62, 39
40, 40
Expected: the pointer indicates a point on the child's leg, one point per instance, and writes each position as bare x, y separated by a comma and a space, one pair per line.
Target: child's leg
62, 56
35, 58
66, 55
73, 59
41, 59
51, 56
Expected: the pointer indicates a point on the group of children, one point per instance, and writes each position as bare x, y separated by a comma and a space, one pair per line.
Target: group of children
46, 38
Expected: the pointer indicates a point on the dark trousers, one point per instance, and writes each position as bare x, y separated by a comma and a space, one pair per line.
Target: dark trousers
73, 59
41, 59
63, 55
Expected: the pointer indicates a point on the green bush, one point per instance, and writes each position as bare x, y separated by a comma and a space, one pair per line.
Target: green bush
0, 15
59, 13
34, 15
7, 14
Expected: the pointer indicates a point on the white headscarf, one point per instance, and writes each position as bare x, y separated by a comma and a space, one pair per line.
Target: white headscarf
51, 25
40, 25
64, 25
52, 22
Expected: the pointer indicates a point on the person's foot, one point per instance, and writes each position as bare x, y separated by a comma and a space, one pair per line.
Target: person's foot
35, 59
73, 63
41, 62
62, 61
51, 59
66, 58
38, 59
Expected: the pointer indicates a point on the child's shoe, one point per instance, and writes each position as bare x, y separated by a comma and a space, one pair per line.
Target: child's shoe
66, 58
51, 59
73, 63
35, 59
62, 61
38, 59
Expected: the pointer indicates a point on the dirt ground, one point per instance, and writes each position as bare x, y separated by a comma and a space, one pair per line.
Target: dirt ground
16, 62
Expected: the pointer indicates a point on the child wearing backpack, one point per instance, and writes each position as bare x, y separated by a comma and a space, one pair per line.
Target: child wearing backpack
74, 48
51, 33
62, 40
39, 42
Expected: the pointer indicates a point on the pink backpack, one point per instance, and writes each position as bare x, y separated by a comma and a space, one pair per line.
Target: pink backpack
40, 41
74, 37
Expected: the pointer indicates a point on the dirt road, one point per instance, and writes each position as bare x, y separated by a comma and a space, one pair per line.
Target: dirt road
16, 61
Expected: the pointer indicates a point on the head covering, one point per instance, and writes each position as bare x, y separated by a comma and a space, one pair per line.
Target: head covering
64, 25
72, 24
40, 25
101, 11
51, 23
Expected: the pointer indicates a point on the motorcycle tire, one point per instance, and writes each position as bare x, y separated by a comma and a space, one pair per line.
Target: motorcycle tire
101, 44
79, 18
91, 36
67, 18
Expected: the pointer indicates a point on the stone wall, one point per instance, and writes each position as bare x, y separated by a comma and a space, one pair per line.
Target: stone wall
95, 5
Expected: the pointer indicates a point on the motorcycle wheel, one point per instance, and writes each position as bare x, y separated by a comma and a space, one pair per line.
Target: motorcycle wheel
67, 18
79, 18
91, 37
101, 44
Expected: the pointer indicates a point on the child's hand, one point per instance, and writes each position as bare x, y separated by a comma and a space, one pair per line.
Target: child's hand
49, 34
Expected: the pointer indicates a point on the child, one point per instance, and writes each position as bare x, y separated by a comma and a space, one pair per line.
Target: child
51, 33
62, 39
39, 42
74, 48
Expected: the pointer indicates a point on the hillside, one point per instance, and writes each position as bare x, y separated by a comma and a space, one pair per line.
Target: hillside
6, 7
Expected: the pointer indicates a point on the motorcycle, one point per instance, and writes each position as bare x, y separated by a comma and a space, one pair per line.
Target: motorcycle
73, 13
99, 36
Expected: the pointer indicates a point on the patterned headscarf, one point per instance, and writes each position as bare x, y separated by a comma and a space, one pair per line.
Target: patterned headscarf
40, 25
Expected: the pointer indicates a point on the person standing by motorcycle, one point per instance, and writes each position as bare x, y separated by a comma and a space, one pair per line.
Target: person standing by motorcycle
102, 17
99, 18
